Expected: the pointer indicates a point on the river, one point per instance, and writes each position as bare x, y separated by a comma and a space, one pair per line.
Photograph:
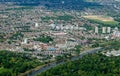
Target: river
51, 65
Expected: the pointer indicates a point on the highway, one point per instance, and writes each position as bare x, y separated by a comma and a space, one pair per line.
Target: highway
51, 65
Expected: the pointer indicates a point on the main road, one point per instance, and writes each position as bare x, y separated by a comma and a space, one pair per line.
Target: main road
53, 64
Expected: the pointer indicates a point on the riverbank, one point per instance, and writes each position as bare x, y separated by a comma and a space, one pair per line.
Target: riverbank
45, 67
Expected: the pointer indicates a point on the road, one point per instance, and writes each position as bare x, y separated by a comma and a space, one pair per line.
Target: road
51, 65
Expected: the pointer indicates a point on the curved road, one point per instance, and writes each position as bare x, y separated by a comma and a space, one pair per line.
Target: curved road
51, 65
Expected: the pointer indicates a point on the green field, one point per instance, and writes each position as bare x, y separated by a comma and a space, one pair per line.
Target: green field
105, 20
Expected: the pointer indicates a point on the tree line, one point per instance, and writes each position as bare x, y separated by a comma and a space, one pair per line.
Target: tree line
90, 65
12, 63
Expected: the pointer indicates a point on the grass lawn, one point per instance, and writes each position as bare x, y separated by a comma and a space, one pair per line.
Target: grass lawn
101, 19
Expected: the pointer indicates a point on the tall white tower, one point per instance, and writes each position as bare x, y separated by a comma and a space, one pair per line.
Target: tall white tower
96, 30
103, 29
108, 29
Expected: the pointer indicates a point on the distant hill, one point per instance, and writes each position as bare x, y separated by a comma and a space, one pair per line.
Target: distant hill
57, 4
64, 4
55, 0
36, 0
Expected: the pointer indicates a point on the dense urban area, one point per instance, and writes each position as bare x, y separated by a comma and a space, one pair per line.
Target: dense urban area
59, 37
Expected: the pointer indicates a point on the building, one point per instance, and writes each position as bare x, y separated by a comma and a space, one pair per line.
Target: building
108, 29
36, 25
103, 30
25, 41
96, 30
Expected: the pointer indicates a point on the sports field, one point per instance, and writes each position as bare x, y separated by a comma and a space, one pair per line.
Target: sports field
101, 19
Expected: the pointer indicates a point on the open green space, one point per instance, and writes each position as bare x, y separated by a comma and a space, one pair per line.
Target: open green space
104, 20
44, 39
19, 8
